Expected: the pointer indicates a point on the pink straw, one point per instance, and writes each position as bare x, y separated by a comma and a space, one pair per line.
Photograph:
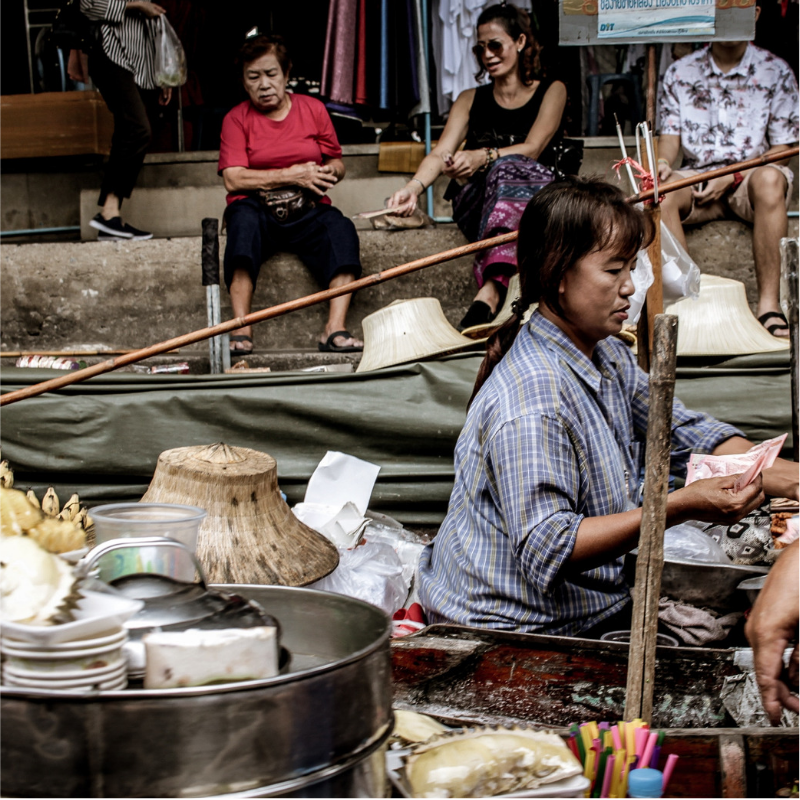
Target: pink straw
670, 765
640, 739
607, 776
615, 738
644, 761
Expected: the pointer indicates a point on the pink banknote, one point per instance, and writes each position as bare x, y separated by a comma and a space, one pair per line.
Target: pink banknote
748, 465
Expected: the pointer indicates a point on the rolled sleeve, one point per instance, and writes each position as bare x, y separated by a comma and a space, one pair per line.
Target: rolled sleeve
783, 115
670, 108
538, 481
110, 11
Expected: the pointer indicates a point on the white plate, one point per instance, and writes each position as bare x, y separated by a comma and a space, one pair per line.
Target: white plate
88, 683
575, 786
103, 674
95, 641
96, 613
65, 655
109, 686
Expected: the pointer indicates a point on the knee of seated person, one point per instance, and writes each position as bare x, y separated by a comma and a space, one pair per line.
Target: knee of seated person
768, 184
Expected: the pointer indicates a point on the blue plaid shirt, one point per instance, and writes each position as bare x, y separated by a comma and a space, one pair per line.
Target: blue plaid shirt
551, 438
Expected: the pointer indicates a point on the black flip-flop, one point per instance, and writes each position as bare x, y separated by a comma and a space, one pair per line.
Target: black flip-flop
330, 347
241, 351
776, 326
479, 313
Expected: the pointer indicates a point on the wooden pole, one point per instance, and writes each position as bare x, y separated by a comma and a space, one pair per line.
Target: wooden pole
789, 267
251, 319
650, 560
371, 280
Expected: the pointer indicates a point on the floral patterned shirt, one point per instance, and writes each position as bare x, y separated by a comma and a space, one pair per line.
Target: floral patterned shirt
727, 117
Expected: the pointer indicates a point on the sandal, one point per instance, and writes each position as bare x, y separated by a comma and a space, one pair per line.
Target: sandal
776, 326
479, 313
329, 347
241, 351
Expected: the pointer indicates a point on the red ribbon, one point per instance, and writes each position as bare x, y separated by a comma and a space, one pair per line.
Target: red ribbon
642, 174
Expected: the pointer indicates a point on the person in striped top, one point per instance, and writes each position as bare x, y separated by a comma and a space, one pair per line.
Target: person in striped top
122, 66
545, 501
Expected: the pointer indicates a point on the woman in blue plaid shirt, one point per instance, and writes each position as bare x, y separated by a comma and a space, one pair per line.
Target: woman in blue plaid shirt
543, 507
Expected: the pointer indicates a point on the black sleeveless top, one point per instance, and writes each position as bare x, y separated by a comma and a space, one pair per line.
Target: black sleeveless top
491, 125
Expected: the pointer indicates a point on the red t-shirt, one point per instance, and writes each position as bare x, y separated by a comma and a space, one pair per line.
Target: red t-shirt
251, 139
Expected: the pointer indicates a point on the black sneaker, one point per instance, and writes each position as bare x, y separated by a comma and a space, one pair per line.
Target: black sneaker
112, 227
104, 237
135, 233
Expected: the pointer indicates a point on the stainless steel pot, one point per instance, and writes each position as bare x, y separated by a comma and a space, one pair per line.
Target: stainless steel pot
316, 731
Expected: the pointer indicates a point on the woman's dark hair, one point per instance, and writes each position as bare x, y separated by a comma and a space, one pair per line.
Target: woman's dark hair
515, 22
256, 46
562, 224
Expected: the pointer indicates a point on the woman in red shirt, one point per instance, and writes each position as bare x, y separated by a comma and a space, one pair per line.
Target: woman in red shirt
282, 141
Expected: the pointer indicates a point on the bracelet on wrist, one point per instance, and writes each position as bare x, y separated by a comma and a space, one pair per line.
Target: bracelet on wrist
417, 180
663, 161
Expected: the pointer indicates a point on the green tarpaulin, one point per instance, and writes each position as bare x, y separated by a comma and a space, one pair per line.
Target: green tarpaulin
102, 437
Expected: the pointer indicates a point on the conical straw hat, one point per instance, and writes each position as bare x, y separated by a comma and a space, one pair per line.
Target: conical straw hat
504, 314
409, 330
250, 535
719, 322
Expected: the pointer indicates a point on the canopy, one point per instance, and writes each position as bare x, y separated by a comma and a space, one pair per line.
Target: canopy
102, 438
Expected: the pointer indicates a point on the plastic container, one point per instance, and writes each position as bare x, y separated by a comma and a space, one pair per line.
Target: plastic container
134, 520
645, 782
48, 362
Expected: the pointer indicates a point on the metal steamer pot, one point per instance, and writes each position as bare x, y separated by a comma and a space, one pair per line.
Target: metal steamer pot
316, 731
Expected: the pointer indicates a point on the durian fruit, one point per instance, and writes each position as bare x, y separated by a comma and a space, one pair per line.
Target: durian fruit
6, 475
36, 587
17, 514
50, 504
34, 500
71, 508
411, 727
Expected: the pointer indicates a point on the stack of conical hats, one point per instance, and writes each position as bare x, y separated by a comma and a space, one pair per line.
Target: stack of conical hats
250, 535
720, 323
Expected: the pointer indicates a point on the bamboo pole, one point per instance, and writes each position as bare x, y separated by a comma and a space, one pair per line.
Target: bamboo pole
251, 319
67, 353
371, 280
650, 560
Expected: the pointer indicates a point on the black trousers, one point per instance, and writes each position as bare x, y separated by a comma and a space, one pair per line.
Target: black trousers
128, 103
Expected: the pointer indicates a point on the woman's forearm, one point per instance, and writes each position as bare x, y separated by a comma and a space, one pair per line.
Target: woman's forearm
429, 170
242, 179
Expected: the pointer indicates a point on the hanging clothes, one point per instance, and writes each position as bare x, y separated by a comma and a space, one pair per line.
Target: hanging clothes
423, 83
338, 63
453, 35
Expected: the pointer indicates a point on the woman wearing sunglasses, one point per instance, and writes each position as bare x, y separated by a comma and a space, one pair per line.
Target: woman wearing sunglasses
508, 128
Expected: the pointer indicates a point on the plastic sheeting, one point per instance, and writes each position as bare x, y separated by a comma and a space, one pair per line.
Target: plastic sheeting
102, 438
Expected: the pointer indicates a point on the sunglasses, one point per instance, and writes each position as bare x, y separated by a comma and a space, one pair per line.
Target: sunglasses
495, 47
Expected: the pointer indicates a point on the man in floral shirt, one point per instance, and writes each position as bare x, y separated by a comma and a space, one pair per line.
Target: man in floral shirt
731, 102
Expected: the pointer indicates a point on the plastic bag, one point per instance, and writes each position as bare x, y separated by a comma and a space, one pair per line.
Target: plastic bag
170, 57
371, 572
688, 543
680, 276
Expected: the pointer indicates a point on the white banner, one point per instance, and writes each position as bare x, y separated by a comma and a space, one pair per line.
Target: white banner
655, 19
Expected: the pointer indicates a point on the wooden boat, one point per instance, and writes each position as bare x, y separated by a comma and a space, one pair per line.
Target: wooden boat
465, 676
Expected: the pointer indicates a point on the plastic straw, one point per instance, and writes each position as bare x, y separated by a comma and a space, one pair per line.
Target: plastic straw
615, 738
607, 778
656, 756
647, 753
640, 740
670, 766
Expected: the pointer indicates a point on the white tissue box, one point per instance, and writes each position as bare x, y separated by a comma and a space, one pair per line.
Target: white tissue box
197, 657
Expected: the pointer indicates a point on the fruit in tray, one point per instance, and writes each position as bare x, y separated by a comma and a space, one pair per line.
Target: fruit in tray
413, 728
20, 517
36, 587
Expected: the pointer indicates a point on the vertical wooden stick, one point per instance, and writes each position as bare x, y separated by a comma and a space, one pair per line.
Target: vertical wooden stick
789, 266
650, 561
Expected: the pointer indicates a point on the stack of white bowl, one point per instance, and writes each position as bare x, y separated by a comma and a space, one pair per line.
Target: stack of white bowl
81, 665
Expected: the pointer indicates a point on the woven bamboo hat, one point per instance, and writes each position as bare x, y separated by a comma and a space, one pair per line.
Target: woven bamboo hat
250, 535
409, 330
719, 322
504, 314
